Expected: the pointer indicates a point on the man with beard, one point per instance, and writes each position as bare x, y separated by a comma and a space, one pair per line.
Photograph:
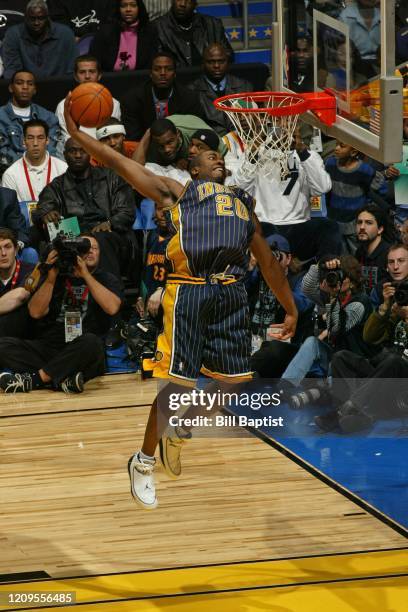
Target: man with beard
371, 224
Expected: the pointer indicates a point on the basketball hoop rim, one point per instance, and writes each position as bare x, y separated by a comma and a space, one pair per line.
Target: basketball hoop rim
297, 106
322, 103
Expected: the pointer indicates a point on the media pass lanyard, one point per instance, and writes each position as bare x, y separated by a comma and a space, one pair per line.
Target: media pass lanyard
73, 317
15, 275
27, 175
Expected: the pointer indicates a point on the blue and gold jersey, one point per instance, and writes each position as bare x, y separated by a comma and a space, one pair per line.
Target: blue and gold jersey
212, 227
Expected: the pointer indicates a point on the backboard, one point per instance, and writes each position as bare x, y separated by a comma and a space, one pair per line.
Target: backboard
347, 46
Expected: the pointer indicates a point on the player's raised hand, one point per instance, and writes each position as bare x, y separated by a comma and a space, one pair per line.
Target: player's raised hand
72, 127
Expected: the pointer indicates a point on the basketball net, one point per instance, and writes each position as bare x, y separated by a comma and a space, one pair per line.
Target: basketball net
268, 139
266, 122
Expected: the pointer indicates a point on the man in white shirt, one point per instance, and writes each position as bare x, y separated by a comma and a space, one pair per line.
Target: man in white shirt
36, 168
86, 70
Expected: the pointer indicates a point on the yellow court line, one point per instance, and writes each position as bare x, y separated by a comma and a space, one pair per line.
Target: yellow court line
167, 583
383, 595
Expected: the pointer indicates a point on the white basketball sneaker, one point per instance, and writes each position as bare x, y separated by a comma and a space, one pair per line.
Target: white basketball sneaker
142, 484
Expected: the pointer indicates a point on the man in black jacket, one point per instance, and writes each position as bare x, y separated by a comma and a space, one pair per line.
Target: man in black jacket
159, 97
215, 82
103, 203
186, 33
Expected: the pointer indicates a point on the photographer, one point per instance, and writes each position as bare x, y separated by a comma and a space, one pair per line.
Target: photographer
72, 309
14, 317
362, 403
337, 284
397, 272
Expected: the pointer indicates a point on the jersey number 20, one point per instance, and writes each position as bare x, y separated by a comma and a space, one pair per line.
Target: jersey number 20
227, 206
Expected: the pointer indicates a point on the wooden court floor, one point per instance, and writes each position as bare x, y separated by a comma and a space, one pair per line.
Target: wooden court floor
66, 511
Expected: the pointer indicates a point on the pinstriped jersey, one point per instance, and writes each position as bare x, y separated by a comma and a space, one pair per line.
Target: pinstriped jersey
212, 226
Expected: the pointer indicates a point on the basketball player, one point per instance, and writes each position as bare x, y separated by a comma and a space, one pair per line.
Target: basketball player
204, 303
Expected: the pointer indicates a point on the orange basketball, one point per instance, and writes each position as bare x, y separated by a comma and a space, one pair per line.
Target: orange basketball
91, 105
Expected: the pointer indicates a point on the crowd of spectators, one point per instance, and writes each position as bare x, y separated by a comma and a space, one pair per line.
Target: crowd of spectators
347, 269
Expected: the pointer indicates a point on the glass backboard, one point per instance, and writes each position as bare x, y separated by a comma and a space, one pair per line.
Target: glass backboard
349, 47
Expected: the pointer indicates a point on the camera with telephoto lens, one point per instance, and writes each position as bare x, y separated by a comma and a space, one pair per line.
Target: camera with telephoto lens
401, 293
68, 250
333, 278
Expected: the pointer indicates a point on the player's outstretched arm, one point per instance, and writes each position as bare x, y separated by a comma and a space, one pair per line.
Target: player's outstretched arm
162, 190
277, 283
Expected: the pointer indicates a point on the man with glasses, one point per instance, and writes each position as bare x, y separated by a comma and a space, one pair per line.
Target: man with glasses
39, 45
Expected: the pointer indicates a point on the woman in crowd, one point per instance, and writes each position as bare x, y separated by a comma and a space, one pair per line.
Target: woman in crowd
128, 43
